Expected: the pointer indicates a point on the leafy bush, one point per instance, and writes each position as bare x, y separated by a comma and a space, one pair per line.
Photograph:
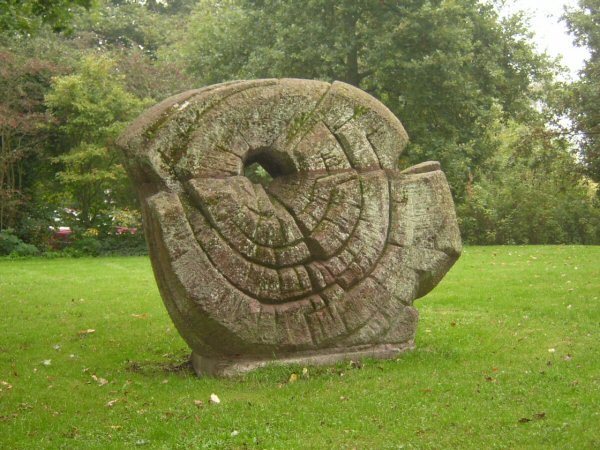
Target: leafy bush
531, 192
12, 245
107, 245
24, 249
8, 242
124, 245
84, 246
523, 209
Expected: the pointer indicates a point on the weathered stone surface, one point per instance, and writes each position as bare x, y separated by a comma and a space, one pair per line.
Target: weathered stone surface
322, 264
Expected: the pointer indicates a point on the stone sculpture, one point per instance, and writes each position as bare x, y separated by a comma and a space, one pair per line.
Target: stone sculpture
323, 263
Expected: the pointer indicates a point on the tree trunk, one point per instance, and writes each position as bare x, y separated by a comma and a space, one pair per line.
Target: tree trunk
352, 75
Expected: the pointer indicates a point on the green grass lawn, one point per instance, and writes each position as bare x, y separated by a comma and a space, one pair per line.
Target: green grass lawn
508, 356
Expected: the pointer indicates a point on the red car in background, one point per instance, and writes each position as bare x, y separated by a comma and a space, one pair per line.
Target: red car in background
125, 230
61, 237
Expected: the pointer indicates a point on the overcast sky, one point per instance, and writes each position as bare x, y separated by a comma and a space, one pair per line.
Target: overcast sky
550, 33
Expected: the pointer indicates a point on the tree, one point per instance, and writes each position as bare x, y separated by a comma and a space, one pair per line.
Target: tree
132, 33
92, 108
24, 16
533, 193
125, 25
23, 82
35, 144
448, 69
148, 78
584, 100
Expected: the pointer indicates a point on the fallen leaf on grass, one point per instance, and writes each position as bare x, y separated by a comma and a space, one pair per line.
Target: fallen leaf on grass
86, 332
214, 399
140, 316
6, 418
111, 403
47, 362
51, 411
305, 373
293, 378
344, 399
234, 433
72, 433
101, 381
568, 357
355, 364
491, 379
536, 416
115, 427
5, 385
199, 403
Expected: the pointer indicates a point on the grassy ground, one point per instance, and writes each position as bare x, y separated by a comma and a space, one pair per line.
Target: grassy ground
508, 356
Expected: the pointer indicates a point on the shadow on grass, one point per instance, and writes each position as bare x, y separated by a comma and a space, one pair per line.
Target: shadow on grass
179, 363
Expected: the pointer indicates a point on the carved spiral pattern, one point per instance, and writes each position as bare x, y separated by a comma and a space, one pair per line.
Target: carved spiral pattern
330, 254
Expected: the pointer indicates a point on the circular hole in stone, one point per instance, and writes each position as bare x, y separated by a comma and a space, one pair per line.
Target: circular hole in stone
264, 165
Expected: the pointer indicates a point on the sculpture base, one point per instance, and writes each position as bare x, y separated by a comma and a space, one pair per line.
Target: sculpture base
229, 366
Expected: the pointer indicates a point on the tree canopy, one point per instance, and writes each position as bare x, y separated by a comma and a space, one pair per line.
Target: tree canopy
91, 108
26, 15
449, 70
468, 85
584, 102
